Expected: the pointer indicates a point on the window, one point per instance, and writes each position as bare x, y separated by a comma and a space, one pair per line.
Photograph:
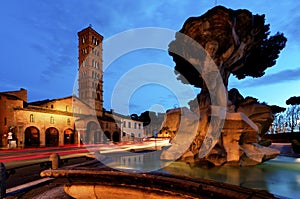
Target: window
31, 118
129, 124
68, 121
135, 125
124, 124
139, 126
51, 120
84, 74
52, 106
5, 121
84, 51
67, 108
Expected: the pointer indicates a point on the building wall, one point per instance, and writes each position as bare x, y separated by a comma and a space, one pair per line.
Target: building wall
7, 104
42, 120
132, 130
22, 94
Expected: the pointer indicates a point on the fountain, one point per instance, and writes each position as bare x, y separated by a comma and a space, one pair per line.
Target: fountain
206, 51
221, 128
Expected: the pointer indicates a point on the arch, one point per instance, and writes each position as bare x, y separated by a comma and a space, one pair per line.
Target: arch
32, 137
90, 133
51, 137
116, 137
106, 136
69, 136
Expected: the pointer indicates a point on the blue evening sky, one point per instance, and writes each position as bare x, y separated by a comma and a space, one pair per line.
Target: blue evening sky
39, 47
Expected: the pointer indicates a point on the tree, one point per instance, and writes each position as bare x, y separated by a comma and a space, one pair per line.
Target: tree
145, 118
278, 123
293, 100
134, 116
293, 112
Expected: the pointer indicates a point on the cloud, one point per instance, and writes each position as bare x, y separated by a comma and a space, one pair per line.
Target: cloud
276, 78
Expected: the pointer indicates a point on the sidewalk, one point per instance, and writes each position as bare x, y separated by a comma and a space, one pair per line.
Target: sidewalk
49, 189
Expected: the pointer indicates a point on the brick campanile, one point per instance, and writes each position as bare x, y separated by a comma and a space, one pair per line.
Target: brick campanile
90, 80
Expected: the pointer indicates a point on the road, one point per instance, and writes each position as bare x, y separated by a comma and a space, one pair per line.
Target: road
27, 162
15, 157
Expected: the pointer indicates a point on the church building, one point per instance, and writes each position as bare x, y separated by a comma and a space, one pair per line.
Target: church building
79, 119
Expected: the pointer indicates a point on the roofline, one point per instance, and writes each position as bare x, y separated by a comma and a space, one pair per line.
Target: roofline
90, 28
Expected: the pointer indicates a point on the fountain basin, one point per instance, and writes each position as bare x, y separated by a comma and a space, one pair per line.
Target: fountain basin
96, 181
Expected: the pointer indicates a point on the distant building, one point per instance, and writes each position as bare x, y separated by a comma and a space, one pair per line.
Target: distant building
131, 130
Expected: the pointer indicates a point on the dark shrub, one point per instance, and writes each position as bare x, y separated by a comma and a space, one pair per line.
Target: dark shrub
296, 146
265, 142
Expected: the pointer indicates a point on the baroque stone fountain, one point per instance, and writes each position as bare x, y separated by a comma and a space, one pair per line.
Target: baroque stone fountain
225, 127
220, 128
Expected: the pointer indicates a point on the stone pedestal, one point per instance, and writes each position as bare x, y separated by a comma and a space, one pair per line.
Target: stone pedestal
237, 144
238, 140
235, 127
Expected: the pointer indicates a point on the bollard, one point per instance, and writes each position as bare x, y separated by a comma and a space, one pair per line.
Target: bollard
55, 159
2, 181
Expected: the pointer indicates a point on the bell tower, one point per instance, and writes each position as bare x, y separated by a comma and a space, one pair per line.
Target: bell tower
90, 75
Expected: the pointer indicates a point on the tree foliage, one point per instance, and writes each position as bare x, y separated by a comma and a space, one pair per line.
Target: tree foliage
293, 100
277, 109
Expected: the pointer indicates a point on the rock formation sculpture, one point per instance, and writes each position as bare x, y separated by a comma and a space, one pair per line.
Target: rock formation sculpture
206, 51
